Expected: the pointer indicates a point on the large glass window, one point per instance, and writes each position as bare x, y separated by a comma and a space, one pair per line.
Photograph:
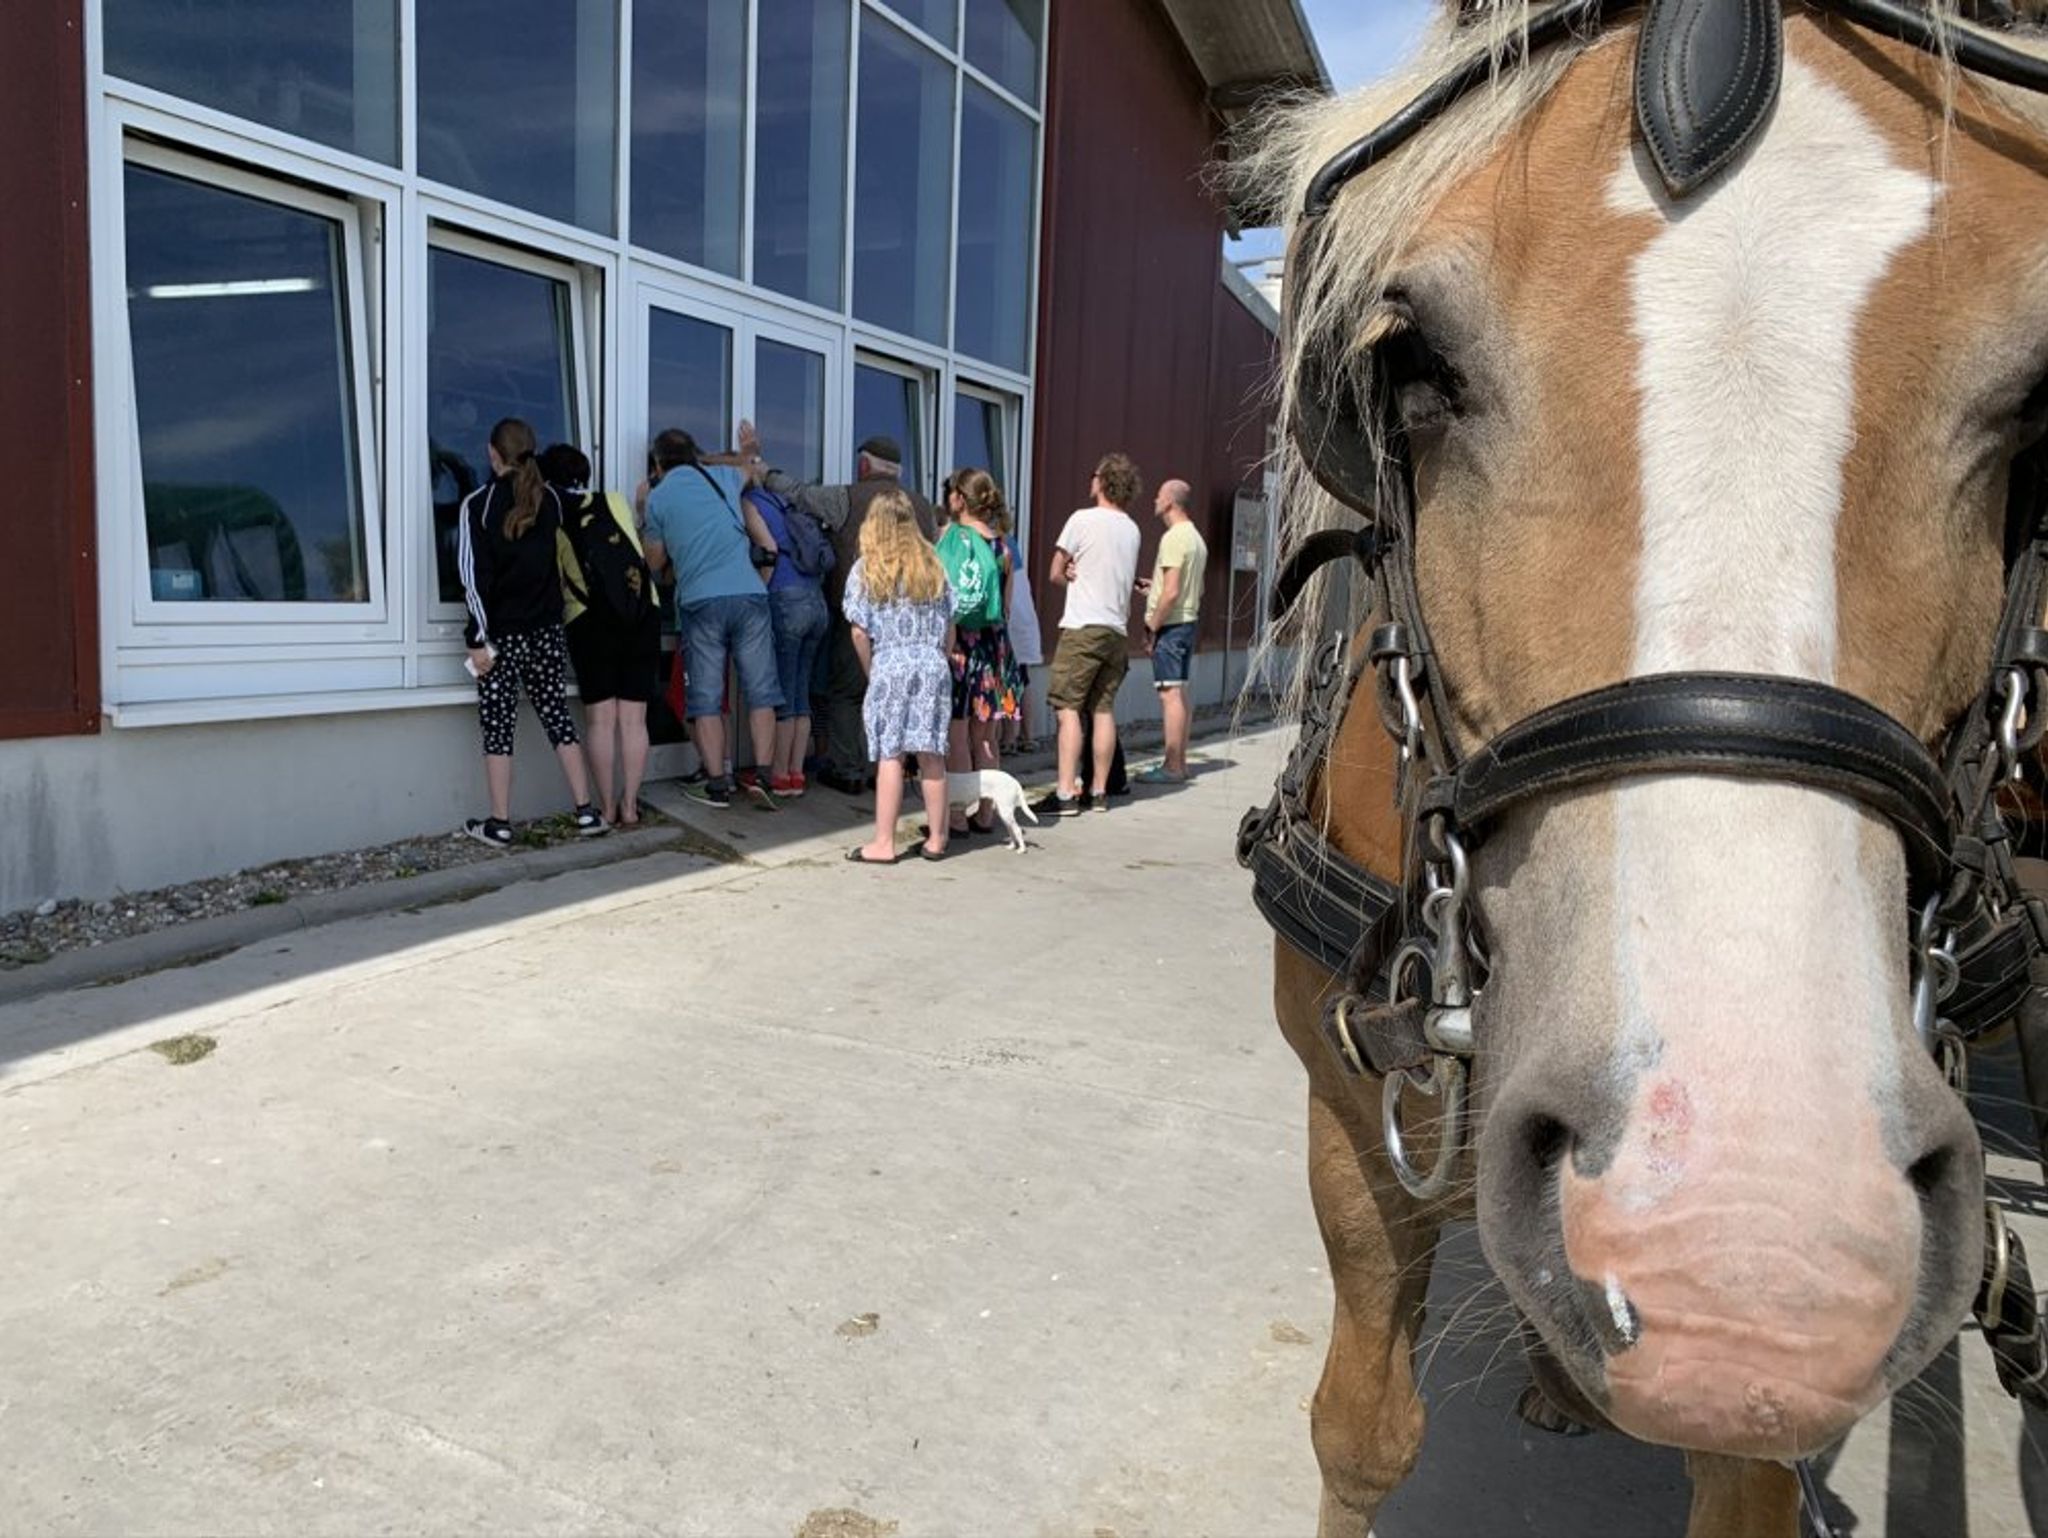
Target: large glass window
1002, 42
246, 396
518, 101
800, 149
981, 436
500, 343
992, 311
891, 402
789, 407
689, 129
323, 69
903, 185
937, 17
689, 378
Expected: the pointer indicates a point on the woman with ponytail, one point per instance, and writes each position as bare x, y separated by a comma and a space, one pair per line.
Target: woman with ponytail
511, 582
986, 690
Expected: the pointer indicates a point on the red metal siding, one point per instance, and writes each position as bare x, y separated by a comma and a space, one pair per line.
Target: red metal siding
1140, 347
49, 683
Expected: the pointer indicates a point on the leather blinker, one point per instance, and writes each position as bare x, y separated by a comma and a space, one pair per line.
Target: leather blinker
1707, 77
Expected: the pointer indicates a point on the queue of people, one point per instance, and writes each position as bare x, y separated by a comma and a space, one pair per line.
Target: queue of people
914, 628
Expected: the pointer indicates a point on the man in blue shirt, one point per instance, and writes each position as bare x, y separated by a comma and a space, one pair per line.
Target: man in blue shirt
698, 523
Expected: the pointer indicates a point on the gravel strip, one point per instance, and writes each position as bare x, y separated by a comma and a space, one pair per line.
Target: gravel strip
34, 935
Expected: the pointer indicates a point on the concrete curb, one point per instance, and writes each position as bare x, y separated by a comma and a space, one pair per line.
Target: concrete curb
204, 940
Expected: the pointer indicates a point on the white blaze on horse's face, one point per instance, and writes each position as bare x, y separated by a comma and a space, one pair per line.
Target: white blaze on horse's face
1751, 1155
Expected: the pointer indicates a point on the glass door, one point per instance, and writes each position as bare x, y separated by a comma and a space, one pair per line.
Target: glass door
895, 400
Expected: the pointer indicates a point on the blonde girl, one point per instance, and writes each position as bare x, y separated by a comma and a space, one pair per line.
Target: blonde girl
900, 606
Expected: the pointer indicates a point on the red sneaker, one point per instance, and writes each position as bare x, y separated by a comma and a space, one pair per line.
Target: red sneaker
791, 785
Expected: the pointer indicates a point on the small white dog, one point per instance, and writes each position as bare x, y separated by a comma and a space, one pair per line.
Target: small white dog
998, 788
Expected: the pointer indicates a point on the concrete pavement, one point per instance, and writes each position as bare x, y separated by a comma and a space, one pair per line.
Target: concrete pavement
675, 1197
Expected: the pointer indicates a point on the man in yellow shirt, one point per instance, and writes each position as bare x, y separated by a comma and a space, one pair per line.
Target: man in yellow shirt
1173, 605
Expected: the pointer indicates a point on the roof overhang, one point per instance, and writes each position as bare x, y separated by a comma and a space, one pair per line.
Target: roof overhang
1249, 51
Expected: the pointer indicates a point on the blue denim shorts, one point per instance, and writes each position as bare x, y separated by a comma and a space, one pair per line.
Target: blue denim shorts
801, 624
1173, 652
738, 627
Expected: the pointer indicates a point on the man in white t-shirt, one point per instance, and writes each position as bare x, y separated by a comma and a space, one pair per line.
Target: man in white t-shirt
1096, 561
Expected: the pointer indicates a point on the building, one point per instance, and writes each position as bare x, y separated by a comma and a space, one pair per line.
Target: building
296, 256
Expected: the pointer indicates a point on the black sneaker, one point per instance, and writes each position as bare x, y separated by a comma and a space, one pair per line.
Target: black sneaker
589, 824
717, 793
1053, 804
1094, 803
494, 831
757, 791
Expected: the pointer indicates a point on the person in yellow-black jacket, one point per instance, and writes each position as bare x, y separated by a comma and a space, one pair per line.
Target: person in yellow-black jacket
613, 618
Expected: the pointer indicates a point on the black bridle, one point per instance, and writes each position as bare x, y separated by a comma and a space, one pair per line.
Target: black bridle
1407, 955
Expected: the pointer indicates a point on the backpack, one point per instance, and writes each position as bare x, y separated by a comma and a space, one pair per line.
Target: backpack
615, 575
976, 572
808, 546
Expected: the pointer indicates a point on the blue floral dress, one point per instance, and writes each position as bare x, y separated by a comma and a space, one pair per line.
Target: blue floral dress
910, 686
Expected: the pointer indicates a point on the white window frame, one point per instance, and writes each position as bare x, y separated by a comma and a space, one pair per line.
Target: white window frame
930, 372
440, 620
146, 621
1008, 408
819, 341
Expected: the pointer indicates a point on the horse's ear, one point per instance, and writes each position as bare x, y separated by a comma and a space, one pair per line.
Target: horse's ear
1464, 11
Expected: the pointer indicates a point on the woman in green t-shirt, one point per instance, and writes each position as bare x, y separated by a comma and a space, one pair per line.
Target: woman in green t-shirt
985, 688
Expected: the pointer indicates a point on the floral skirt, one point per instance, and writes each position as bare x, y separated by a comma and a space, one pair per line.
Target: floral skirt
986, 685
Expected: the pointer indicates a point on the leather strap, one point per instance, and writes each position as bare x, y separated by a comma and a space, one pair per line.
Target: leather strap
1707, 76
1779, 729
1321, 902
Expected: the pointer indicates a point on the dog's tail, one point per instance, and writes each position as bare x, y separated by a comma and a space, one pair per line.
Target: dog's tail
1024, 811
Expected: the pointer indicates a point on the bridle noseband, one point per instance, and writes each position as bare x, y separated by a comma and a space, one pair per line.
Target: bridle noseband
1408, 958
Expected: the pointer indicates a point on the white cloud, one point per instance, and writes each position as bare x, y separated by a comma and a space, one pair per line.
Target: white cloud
1361, 42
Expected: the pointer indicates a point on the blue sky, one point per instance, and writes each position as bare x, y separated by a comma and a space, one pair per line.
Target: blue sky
1361, 40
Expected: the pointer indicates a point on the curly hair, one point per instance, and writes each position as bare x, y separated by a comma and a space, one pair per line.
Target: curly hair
1120, 480
896, 560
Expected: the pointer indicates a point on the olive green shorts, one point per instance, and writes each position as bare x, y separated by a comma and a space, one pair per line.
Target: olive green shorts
1088, 669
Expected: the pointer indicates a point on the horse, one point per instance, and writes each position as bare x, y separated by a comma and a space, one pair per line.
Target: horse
1666, 379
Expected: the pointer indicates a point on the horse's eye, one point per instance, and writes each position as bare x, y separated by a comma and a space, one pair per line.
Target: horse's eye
1428, 389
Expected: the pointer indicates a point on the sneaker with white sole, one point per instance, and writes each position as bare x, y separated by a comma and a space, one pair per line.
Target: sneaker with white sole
713, 793
1053, 804
494, 831
589, 824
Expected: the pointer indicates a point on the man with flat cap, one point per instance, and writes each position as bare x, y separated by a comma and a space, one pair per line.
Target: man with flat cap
841, 510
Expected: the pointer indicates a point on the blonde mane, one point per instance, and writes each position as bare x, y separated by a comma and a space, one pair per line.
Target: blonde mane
1332, 307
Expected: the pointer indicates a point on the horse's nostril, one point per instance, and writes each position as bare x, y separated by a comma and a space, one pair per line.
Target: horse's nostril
1930, 1172
1547, 1141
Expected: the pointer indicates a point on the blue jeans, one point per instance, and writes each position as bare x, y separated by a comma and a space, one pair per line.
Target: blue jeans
1173, 649
738, 627
801, 623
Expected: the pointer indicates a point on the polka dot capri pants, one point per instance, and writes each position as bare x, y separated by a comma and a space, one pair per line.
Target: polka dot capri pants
539, 660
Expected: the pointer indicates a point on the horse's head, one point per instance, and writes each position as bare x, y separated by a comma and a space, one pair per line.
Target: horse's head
1766, 428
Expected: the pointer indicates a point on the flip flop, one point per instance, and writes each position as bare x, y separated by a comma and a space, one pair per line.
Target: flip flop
923, 853
855, 857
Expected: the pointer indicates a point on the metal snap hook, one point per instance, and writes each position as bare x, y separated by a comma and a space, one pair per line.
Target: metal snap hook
2013, 683
1445, 1084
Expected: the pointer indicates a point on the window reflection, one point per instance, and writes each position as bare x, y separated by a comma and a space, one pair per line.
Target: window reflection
789, 407
903, 184
893, 405
979, 441
518, 101
1002, 42
499, 344
326, 70
244, 396
992, 314
800, 149
689, 128
689, 378
935, 17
